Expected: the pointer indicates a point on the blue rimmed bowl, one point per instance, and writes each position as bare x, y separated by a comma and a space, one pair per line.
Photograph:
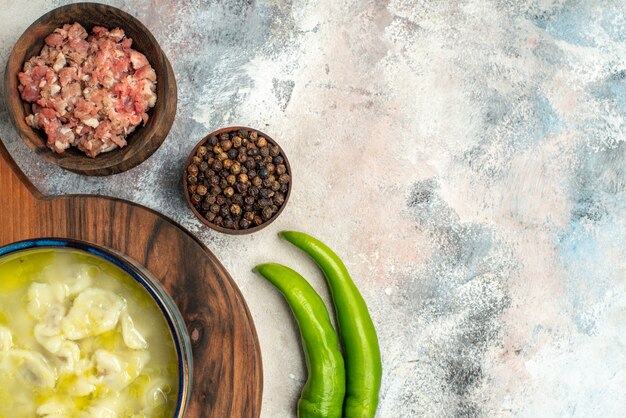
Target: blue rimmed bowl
160, 297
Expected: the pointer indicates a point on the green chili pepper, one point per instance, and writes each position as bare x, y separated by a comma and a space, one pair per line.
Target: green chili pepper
323, 392
356, 330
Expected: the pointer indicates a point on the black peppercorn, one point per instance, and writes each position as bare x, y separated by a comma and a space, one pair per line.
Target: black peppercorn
244, 224
278, 199
215, 209
242, 188
237, 199
261, 142
235, 209
192, 179
226, 145
263, 173
229, 191
284, 178
201, 190
267, 213
232, 153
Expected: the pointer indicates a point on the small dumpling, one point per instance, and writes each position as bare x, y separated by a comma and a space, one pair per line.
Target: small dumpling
132, 337
53, 408
52, 343
99, 411
116, 373
156, 394
94, 311
42, 295
6, 339
108, 407
68, 357
81, 387
31, 367
78, 282
48, 332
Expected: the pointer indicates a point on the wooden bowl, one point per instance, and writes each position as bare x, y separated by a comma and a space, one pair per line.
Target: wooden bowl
145, 140
221, 228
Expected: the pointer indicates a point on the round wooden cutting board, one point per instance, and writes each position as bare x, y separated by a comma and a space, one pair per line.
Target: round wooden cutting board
228, 378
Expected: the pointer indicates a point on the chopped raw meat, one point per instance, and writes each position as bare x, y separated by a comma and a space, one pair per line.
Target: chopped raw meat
88, 91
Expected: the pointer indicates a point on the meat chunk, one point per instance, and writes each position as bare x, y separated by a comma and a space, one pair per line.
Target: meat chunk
88, 91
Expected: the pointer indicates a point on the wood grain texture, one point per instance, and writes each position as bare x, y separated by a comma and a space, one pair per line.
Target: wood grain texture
227, 361
145, 140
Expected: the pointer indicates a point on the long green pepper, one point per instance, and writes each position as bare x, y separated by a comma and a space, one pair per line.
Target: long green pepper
323, 392
356, 329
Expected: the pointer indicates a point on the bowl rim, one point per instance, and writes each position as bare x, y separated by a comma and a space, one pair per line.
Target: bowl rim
137, 272
75, 160
220, 228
